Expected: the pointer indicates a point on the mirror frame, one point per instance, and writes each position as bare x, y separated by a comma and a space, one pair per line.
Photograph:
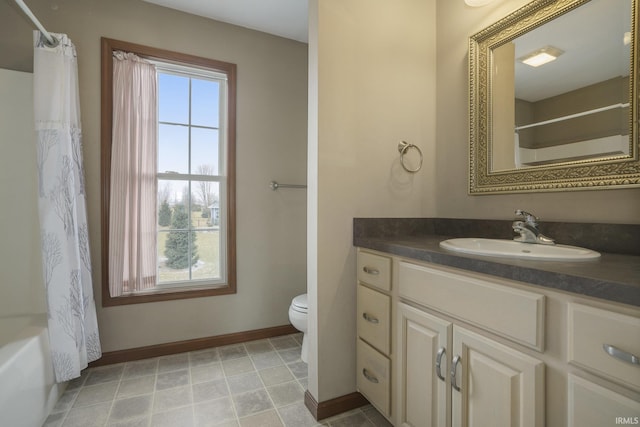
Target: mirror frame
612, 172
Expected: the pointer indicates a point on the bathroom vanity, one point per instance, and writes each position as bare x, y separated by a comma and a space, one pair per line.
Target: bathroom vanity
447, 339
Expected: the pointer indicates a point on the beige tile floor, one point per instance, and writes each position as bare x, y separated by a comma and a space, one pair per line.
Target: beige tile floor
257, 383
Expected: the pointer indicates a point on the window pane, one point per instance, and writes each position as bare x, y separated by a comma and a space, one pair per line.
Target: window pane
173, 149
173, 196
173, 98
206, 195
208, 265
205, 103
173, 256
204, 151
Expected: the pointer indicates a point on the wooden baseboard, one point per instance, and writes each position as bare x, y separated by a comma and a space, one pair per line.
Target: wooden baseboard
139, 353
332, 407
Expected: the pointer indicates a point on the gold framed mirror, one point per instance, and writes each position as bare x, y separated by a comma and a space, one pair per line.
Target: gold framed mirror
570, 124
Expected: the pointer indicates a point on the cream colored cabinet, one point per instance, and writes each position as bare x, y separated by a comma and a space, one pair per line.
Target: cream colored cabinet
374, 270
515, 314
442, 347
423, 396
493, 384
446, 369
374, 377
448, 375
592, 405
606, 344
374, 323
373, 347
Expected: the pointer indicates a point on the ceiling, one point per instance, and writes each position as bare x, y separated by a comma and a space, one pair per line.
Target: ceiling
591, 37
284, 18
592, 32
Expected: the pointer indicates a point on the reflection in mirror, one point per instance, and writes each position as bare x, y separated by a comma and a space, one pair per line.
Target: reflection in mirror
553, 99
573, 107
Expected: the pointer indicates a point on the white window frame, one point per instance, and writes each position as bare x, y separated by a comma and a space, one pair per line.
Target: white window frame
221, 178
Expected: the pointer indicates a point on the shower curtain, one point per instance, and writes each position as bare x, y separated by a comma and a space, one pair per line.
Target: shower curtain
73, 327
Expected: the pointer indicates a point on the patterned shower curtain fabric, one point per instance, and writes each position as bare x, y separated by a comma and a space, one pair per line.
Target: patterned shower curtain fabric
73, 326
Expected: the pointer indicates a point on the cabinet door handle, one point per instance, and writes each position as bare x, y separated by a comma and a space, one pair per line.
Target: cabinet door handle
371, 270
441, 352
621, 354
370, 319
369, 377
454, 368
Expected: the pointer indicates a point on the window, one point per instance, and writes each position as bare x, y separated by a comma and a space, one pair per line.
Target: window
195, 220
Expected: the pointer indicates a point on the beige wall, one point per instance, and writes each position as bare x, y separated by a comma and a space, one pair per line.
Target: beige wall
21, 288
503, 118
271, 144
603, 124
372, 84
456, 22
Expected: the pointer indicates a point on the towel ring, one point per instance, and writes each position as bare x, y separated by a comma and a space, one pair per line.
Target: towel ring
403, 147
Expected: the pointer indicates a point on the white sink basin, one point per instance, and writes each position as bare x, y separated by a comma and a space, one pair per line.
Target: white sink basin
513, 249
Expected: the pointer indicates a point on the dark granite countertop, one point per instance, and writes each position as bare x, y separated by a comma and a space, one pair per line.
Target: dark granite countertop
612, 277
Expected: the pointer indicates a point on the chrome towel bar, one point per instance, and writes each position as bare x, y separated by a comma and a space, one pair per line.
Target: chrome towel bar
275, 185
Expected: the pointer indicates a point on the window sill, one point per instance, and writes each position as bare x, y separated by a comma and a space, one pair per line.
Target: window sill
165, 295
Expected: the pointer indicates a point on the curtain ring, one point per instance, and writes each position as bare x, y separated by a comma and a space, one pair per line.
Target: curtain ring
403, 147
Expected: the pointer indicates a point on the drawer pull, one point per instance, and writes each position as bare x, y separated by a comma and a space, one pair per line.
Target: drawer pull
370, 270
441, 352
454, 368
621, 354
370, 319
369, 377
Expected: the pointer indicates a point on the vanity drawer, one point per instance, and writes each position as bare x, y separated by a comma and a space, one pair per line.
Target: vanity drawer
590, 329
590, 404
513, 313
374, 270
374, 377
374, 312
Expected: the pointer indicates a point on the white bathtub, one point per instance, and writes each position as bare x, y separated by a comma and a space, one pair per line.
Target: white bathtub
27, 388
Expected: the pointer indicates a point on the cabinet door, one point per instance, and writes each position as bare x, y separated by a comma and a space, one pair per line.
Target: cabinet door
494, 385
422, 394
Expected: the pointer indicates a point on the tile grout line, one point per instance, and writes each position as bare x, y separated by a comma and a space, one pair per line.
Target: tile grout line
113, 400
153, 394
193, 400
226, 381
66, 413
265, 386
295, 378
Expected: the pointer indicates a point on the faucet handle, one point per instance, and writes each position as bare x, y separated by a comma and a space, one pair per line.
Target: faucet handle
529, 218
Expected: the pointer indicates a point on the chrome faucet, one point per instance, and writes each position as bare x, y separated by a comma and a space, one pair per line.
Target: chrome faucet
528, 229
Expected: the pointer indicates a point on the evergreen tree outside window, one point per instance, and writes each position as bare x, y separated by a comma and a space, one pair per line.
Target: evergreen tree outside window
164, 214
180, 246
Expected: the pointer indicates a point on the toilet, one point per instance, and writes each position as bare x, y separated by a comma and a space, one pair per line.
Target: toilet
298, 318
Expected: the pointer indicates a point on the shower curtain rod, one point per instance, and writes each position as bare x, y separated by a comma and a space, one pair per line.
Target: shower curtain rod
52, 40
573, 116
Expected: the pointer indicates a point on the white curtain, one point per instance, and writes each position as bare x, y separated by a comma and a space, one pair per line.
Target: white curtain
132, 206
73, 327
